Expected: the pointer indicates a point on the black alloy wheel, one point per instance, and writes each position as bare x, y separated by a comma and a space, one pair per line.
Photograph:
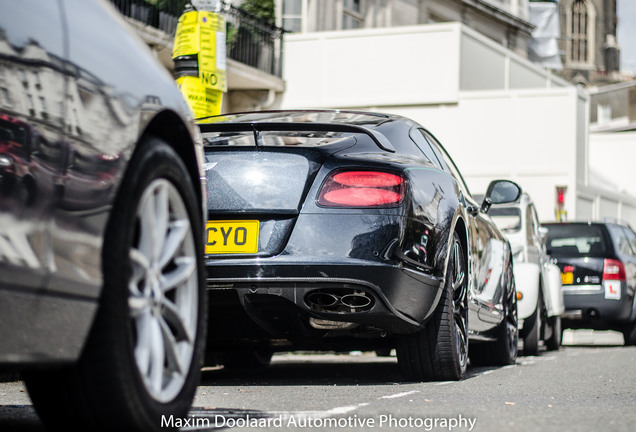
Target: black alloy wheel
439, 352
460, 304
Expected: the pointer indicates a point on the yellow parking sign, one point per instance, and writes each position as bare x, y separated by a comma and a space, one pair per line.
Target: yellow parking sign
200, 37
203, 100
212, 62
186, 40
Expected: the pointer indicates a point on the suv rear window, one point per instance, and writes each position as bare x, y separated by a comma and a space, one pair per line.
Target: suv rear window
574, 240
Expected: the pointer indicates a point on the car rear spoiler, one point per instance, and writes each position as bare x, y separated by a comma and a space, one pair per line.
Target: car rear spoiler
257, 127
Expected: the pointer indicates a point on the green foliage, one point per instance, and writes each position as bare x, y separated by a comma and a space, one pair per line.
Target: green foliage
231, 35
172, 6
263, 9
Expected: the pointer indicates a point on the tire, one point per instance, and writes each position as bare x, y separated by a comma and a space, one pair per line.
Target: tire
143, 355
503, 351
533, 332
383, 352
629, 334
249, 359
553, 343
439, 352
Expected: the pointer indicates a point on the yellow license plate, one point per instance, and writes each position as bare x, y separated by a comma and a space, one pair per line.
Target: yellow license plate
231, 237
567, 278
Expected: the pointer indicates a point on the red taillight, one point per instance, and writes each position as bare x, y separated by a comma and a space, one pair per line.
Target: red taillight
613, 270
362, 189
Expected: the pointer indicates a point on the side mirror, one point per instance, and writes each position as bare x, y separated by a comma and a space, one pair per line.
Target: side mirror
543, 234
500, 192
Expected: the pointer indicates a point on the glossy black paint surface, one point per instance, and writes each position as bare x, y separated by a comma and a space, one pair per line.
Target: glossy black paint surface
77, 90
395, 255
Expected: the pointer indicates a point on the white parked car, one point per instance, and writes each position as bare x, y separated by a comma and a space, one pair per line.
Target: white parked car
540, 299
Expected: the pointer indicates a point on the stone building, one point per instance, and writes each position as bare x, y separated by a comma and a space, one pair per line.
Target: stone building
590, 52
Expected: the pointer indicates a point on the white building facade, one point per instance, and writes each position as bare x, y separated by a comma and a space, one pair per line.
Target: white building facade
498, 114
504, 21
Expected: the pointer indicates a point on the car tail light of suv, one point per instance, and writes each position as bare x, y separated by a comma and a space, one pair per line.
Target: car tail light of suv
613, 270
613, 276
362, 189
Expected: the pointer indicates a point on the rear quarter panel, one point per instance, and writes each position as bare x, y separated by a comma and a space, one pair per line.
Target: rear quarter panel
527, 277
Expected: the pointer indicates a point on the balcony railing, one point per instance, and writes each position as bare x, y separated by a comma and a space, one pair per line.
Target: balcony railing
249, 39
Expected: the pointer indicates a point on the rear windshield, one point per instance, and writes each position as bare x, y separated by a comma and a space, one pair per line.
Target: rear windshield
278, 138
507, 219
577, 240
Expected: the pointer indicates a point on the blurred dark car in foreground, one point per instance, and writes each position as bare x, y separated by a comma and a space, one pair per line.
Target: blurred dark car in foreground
336, 230
598, 272
101, 202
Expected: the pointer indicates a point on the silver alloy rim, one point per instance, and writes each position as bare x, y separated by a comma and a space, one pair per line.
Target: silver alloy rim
163, 290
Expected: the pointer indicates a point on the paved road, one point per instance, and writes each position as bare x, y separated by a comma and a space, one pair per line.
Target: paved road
590, 386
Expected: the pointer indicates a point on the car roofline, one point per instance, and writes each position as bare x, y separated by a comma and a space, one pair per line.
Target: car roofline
256, 127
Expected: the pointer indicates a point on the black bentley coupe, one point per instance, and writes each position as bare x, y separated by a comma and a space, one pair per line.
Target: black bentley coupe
346, 230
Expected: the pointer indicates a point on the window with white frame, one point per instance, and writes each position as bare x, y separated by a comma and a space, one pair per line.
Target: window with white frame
603, 114
292, 15
352, 14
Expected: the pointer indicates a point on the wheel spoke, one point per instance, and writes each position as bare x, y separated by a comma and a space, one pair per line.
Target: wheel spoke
459, 281
148, 228
140, 266
157, 355
139, 259
162, 214
459, 287
176, 234
142, 347
460, 322
170, 348
458, 268
460, 328
173, 317
184, 270
460, 306
138, 305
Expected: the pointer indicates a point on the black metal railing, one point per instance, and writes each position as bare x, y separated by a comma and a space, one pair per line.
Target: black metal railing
249, 40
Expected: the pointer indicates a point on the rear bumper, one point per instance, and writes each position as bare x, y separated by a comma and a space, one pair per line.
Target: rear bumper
394, 299
588, 307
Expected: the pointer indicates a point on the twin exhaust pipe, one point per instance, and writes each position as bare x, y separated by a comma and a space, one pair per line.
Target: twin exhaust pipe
336, 302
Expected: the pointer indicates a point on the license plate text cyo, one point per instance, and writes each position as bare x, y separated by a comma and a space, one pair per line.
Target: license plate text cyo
231, 237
